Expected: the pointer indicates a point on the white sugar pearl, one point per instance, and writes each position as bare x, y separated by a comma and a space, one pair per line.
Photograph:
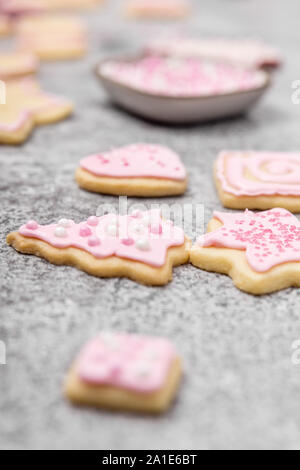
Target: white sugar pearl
146, 220
142, 244
112, 230
60, 232
64, 223
142, 369
137, 228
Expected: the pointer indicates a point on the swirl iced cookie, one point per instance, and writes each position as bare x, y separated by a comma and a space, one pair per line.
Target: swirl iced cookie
52, 37
143, 246
136, 170
125, 372
258, 180
157, 8
16, 65
27, 106
260, 252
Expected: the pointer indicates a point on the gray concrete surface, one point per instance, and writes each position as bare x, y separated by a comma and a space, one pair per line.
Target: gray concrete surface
240, 389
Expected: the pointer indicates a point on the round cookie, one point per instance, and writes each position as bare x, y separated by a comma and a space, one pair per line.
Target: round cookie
258, 180
135, 170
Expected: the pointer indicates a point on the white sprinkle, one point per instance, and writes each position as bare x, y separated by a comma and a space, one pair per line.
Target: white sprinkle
142, 369
142, 244
64, 223
146, 220
112, 230
60, 232
138, 228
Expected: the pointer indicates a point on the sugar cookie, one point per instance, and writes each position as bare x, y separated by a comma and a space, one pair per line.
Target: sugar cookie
17, 64
125, 372
135, 170
5, 26
258, 180
260, 252
246, 52
52, 37
157, 8
142, 246
186, 78
28, 106
17, 8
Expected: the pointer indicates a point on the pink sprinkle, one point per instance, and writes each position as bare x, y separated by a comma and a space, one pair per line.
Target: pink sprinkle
157, 229
136, 214
127, 241
32, 225
85, 232
94, 241
93, 221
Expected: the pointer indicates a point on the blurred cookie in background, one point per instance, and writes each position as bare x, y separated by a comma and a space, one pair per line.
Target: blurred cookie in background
17, 8
157, 9
247, 52
5, 26
17, 64
52, 37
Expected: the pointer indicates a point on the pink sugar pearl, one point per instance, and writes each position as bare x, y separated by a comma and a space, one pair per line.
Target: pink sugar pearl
94, 241
128, 241
157, 229
32, 225
85, 232
93, 221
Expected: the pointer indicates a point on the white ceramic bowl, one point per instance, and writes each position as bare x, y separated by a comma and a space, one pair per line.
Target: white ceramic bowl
180, 110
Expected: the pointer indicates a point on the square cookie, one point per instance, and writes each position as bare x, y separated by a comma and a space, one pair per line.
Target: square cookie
258, 180
125, 372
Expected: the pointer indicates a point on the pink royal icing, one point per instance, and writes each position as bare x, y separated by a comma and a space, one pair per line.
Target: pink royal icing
271, 173
131, 362
182, 77
269, 238
250, 52
138, 160
131, 237
32, 100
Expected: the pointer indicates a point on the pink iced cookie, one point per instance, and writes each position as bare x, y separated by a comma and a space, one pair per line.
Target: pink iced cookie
139, 170
26, 107
261, 252
131, 372
258, 180
163, 76
141, 246
247, 52
157, 8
